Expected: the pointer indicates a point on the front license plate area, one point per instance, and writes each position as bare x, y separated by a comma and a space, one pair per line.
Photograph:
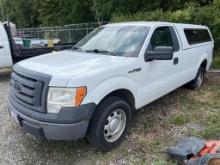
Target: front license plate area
14, 117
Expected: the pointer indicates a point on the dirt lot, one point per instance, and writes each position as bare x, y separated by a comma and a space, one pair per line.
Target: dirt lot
155, 127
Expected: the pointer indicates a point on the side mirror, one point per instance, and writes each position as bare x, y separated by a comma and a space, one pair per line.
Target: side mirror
159, 53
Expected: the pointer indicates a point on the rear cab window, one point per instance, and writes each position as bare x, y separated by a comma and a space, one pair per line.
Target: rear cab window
197, 36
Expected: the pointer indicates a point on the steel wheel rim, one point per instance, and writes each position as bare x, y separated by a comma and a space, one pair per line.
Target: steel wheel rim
200, 79
115, 125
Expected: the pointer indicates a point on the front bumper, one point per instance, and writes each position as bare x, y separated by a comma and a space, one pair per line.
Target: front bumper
70, 126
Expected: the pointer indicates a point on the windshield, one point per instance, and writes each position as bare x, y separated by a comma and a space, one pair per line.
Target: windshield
115, 40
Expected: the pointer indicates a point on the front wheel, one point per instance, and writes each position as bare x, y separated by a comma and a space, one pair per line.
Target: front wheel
109, 124
198, 81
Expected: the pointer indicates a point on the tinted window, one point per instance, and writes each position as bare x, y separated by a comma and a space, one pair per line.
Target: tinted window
161, 37
196, 36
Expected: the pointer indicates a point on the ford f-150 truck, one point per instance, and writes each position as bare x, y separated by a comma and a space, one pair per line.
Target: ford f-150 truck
92, 90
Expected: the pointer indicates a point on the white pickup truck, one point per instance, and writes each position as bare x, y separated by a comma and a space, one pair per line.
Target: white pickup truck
92, 90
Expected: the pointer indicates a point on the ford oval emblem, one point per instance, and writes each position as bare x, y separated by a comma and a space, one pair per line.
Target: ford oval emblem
17, 87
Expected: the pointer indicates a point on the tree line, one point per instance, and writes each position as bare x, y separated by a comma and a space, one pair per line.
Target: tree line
33, 13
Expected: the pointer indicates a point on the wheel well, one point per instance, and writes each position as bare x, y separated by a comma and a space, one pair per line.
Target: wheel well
125, 95
204, 64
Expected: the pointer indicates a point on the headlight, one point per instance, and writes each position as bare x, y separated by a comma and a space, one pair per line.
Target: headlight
64, 97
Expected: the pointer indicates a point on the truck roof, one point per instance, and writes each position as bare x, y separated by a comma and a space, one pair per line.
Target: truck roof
157, 23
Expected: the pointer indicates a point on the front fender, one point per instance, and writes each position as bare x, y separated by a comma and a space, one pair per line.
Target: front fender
109, 85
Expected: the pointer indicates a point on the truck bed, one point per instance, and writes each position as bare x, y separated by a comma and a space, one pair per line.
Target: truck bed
19, 52
31, 52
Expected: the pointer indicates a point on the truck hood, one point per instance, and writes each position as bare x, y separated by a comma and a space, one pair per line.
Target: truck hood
64, 65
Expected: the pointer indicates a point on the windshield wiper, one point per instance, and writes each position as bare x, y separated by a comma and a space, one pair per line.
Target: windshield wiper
101, 51
76, 48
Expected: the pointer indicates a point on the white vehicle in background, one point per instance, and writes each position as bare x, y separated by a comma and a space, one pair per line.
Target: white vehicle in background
12, 50
92, 90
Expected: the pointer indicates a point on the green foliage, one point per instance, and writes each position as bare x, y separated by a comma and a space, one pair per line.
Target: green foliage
103, 9
159, 162
33, 13
22, 12
211, 132
27, 13
212, 127
207, 15
61, 12
180, 119
216, 60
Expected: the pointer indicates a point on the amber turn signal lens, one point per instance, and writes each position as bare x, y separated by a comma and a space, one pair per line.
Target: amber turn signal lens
80, 94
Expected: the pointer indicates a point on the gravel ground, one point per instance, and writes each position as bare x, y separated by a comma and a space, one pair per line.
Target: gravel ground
147, 140
17, 147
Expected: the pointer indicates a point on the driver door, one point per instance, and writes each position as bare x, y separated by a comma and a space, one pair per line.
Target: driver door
159, 77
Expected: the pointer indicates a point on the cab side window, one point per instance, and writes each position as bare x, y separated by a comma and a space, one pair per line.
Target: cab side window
161, 37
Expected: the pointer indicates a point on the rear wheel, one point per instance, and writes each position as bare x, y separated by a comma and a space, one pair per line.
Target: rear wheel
198, 81
109, 124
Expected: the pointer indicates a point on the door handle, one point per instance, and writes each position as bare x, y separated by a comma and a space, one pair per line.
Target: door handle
1, 47
175, 61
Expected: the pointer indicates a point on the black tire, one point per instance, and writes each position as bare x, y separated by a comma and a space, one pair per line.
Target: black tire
198, 81
96, 134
